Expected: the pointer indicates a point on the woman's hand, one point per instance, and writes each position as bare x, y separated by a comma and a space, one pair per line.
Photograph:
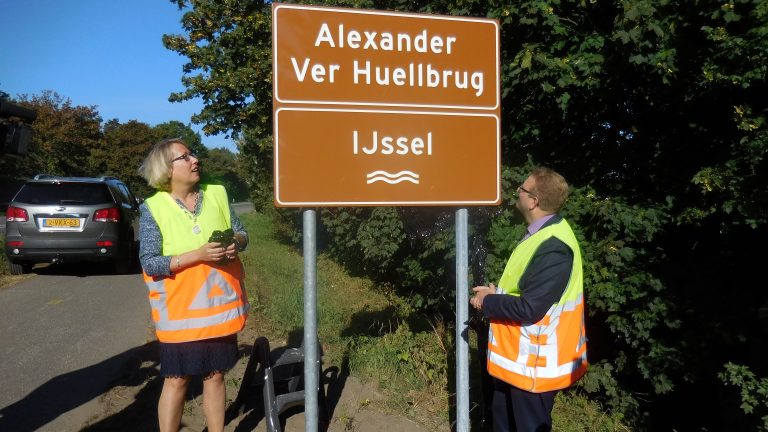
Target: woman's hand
231, 251
212, 252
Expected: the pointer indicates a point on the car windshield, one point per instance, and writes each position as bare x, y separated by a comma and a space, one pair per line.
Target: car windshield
63, 193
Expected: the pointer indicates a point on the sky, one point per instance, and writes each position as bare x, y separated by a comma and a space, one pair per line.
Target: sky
103, 53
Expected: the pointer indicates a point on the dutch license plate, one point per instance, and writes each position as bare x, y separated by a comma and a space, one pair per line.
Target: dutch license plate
61, 222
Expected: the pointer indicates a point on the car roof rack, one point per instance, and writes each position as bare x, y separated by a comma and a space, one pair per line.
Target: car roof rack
55, 177
44, 176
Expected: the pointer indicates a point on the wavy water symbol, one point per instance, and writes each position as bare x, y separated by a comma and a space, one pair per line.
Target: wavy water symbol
393, 178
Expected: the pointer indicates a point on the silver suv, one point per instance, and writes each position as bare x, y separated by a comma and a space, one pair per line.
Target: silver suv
72, 219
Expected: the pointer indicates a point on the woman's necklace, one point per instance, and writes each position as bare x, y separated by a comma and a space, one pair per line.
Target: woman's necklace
192, 215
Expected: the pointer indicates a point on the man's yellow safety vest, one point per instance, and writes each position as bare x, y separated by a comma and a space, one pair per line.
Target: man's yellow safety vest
552, 353
205, 300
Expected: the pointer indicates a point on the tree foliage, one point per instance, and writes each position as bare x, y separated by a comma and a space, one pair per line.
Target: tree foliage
177, 129
753, 392
123, 147
63, 138
229, 47
72, 141
219, 167
655, 112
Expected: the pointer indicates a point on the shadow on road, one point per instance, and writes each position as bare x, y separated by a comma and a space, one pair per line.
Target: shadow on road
68, 391
138, 371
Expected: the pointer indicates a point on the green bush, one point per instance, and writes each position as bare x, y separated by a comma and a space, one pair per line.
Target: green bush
408, 249
574, 412
753, 392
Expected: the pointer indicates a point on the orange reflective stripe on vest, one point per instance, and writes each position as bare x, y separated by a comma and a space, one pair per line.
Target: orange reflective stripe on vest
199, 302
548, 355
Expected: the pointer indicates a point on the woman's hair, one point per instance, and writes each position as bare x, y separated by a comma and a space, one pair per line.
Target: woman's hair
550, 188
156, 167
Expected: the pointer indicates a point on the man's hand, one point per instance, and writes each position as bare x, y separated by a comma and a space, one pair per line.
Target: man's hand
480, 293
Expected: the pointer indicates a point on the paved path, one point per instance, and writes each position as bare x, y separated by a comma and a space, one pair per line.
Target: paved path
65, 335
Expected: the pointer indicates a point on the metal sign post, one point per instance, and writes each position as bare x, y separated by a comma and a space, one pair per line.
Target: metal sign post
462, 316
311, 373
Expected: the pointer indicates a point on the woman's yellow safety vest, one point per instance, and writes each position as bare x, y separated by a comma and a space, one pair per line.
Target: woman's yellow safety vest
552, 353
205, 300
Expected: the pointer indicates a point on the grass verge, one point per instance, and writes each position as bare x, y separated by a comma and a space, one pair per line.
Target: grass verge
363, 330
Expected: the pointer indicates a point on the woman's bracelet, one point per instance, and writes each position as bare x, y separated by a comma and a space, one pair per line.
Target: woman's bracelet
237, 243
178, 263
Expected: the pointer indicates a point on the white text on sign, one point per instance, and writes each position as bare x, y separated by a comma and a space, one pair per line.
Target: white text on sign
388, 145
365, 72
385, 41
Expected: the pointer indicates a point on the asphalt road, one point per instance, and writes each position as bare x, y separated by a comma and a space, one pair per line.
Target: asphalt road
66, 335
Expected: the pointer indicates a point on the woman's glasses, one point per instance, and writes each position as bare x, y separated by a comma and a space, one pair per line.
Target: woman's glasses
185, 156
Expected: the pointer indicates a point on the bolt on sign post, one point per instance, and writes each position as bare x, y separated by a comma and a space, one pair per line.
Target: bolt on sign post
375, 108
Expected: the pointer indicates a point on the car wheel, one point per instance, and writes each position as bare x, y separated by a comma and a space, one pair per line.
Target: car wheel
123, 263
18, 269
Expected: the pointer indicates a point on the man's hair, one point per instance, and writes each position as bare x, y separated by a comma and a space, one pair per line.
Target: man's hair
550, 188
156, 168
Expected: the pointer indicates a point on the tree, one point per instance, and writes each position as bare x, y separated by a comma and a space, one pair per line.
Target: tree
63, 138
126, 145
220, 167
177, 129
121, 151
229, 47
655, 104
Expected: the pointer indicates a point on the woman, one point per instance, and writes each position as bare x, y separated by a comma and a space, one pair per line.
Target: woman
195, 286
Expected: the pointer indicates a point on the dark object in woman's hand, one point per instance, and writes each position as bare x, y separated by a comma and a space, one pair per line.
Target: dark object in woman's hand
224, 238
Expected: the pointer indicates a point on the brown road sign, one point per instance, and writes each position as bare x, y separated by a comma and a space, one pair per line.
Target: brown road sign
384, 108
355, 57
332, 157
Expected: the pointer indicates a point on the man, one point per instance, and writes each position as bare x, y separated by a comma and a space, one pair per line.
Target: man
536, 342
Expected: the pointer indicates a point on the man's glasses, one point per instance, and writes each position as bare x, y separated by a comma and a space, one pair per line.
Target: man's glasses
185, 156
522, 189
